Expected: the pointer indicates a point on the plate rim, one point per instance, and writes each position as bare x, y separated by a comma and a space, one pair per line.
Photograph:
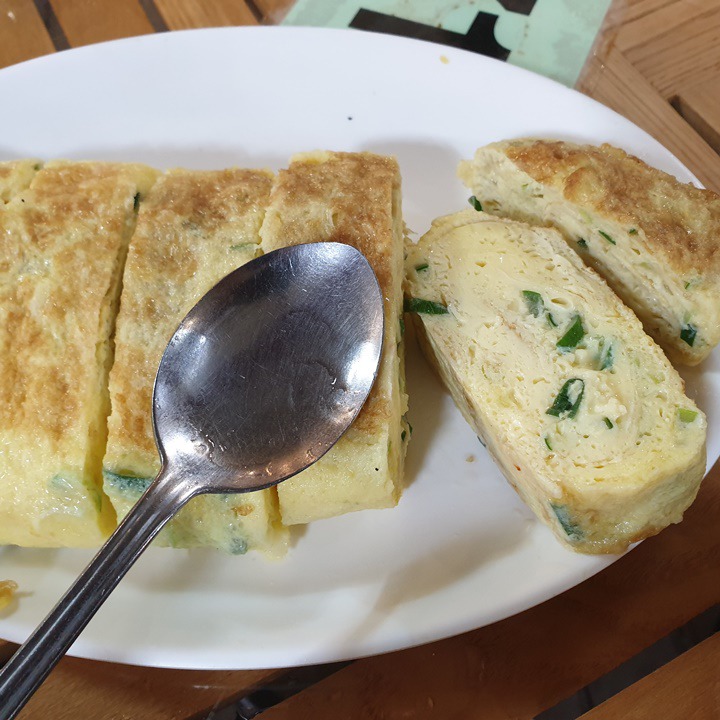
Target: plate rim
89, 649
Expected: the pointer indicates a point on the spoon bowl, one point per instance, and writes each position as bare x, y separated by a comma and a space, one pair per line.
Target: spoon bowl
259, 381
256, 385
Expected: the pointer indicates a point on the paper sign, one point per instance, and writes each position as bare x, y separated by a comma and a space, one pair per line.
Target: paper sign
551, 37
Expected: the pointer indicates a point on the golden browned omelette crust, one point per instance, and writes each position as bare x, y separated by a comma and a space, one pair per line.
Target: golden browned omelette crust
62, 245
182, 211
351, 198
682, 220
359, 191
193, 229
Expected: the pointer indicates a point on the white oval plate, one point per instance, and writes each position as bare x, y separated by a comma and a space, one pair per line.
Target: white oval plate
461, 550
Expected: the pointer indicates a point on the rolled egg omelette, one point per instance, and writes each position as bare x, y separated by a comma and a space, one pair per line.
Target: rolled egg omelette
581, 410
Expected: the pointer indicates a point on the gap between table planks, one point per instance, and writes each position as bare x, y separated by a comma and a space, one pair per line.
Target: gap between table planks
107, 691
684, 689
30, 28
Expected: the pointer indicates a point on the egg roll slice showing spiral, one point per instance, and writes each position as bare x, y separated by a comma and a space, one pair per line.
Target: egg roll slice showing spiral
581, 410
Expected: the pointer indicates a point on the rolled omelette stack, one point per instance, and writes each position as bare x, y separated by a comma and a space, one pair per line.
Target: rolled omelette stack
76, 437
352, 198
193, 229
581, 410
64, 233
652, 238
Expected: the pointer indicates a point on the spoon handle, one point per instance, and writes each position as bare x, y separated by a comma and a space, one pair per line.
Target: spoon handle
34, 660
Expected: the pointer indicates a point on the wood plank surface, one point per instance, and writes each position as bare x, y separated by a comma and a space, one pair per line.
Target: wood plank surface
700, 106
185, 14
273, 11
91, 21
688, 688
525, 664
611, 79
107, 691
22, 33
675, 46
660, 18
626, 11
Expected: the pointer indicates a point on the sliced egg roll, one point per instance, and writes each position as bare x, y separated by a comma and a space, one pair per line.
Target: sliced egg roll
193, 229
352, 198
653, 238
581, 410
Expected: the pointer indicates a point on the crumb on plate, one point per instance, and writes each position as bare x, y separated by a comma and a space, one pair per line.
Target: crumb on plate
7, 590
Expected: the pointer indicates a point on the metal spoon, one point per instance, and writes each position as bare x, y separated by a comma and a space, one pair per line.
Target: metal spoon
261, 378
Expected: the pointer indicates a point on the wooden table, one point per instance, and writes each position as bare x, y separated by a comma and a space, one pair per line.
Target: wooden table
658, 63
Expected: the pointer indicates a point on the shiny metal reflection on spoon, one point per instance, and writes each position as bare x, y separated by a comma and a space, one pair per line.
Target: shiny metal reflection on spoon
261, 378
